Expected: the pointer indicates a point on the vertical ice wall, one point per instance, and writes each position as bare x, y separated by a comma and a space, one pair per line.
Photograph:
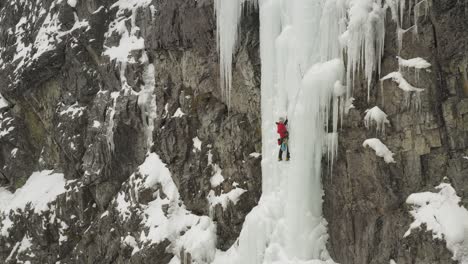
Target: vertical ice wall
302, 43
228, 15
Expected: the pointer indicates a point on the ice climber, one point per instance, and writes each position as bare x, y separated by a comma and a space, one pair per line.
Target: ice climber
283, 140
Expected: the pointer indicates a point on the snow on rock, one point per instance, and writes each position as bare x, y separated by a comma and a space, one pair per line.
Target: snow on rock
444, 217
72, 3
195, 234
131, 242
96, 124
255, 154
157, 172
127, 44
397, 77
199, 240
129, 37
417, 63
3, 102
73, 111
217, 177
131, 4
209, 156
224, 198
25, 244
40, 189
412, 94
196, 144
380, 149
376, 116
178, 113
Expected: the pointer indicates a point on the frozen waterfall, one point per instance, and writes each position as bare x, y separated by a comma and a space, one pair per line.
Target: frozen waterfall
301, 48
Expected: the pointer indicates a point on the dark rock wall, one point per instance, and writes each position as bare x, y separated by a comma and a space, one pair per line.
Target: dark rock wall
364, 201
75, 75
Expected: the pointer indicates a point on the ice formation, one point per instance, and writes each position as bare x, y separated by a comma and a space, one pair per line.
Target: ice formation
129, 41
444, 217
146, 98
302, 44
228, 17
364, 38
376, 116
380, 149
398, 9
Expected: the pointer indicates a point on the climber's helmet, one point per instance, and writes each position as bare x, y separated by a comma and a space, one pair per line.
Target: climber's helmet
281, 120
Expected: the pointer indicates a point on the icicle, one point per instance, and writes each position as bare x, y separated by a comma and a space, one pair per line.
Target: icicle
364, 39
228, 15
110, 126
146, 98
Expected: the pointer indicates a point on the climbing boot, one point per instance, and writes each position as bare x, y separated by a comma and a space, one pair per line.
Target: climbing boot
287, 158
280, 159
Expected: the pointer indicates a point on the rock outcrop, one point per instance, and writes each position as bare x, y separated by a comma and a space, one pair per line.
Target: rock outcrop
365, 197
77, 108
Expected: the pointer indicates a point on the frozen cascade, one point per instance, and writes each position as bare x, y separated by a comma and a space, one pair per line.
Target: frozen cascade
303, 78
228, 15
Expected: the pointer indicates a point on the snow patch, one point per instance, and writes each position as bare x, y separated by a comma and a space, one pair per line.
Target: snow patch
376, 116
197, 143
3, 102
217, 177
167, 218
444, 217
199, 240
417, 63
380, 149
73, 111
410, 91
178, 113
40, 189
397, 77
255, 154
131, 241
224, 199
72, 3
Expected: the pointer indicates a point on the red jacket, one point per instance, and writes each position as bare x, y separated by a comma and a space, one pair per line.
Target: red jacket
281, 129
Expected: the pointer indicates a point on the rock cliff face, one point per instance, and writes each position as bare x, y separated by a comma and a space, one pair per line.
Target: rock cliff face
365, 198
94, 89
75, 109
